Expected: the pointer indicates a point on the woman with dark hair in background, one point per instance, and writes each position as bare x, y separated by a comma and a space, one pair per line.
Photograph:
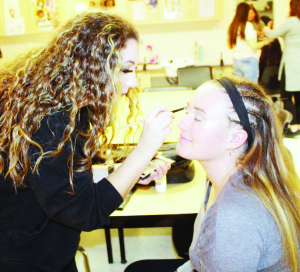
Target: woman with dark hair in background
56, 106
257, 22
289, 70
242, 39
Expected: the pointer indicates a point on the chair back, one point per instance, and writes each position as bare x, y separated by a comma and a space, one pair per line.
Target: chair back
193, 76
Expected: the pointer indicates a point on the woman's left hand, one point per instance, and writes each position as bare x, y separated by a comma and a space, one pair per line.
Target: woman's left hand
157, 174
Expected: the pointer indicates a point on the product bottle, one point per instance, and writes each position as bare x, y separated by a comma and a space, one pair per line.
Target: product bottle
196, 52
201, 53
221, 60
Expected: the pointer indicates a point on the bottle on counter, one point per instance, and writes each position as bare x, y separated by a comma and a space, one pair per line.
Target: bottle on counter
196, 52
221, 60
201, 53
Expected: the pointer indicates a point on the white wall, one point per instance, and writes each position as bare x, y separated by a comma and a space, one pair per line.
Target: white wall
171, 41
281, 11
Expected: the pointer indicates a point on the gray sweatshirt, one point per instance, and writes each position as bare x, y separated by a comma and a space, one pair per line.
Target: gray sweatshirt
237, 233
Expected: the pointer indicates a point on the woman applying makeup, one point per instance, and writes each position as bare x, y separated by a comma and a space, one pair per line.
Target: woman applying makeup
56, 106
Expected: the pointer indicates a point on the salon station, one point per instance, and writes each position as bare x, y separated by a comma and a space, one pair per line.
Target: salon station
182, 45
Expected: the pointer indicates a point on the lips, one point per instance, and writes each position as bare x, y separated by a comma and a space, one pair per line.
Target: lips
184, 140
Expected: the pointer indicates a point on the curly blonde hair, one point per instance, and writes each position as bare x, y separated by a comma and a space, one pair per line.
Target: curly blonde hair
73, 71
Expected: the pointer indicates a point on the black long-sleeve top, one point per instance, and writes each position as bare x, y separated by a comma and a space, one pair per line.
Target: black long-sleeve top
40, 225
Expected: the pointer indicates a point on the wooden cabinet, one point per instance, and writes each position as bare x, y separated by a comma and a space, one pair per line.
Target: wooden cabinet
43, 16
141, 13
171, 11
207, 10
2, 21
35, 16
28, 16
14, 17
174, 11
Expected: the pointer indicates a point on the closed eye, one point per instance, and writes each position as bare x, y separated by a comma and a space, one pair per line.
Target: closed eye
126, 70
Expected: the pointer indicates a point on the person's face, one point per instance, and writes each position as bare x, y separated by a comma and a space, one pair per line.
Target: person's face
205, 129
251, 15
129, 61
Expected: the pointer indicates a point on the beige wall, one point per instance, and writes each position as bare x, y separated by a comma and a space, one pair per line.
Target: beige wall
170, 41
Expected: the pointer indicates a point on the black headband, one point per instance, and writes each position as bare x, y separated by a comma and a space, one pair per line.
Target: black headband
239, 106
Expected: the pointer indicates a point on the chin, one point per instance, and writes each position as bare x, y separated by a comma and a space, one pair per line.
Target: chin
182, 151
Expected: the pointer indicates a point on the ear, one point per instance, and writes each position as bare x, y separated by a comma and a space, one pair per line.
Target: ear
238, 138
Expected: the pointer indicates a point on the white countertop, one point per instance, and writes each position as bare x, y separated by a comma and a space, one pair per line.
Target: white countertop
171, 66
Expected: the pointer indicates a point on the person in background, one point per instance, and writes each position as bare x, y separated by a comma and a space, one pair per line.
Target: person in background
57, 104
250, 216
269, 62
257, 22
289, 70
242, 39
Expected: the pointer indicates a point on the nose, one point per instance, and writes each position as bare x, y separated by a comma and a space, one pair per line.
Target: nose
183, 124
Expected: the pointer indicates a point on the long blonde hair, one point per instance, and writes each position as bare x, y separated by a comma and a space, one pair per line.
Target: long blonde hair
70, 73
268, 167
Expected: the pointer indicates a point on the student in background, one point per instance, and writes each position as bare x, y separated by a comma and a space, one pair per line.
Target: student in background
269, 62
290, 62
257, 22
57, 104
242, 39
250, 217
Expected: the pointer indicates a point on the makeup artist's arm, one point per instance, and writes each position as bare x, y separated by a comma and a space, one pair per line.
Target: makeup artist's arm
156, 128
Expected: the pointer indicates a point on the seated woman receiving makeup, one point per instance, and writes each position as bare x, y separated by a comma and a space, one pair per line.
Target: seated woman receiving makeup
249, 220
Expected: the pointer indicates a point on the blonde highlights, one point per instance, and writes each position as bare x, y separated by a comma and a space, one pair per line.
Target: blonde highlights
268, 167
72, 73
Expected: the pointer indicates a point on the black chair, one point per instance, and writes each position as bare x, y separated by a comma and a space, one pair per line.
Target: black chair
182, 238
193, 76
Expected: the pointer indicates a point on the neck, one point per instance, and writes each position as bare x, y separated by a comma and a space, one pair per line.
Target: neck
219, 172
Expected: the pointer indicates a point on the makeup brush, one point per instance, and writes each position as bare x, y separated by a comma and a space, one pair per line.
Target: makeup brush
180, 109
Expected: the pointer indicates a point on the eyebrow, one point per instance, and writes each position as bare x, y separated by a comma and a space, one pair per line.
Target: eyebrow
129, 61
199, 109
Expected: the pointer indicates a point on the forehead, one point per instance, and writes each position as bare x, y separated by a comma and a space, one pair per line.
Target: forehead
130, 52
211, 98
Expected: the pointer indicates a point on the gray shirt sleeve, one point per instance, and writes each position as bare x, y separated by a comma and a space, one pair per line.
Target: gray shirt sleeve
279, 31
